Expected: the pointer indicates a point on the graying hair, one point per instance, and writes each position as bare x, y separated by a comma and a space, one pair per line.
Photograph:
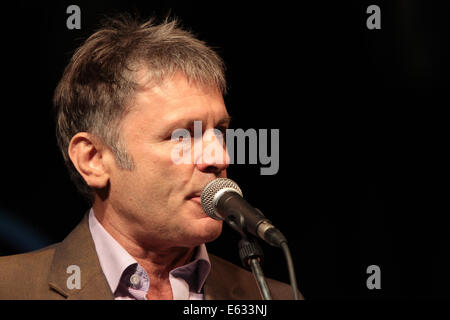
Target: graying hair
97, 86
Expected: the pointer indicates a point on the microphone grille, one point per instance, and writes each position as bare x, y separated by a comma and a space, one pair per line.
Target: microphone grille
210, 191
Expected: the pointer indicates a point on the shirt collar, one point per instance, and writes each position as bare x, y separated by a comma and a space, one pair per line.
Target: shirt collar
114, 259
195, 272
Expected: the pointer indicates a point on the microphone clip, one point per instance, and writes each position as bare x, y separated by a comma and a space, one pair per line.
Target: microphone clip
251, 256
250, 249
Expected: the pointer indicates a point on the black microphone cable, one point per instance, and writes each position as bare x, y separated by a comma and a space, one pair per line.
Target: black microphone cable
290, 264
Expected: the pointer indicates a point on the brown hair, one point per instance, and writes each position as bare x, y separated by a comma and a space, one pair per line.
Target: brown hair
97, 86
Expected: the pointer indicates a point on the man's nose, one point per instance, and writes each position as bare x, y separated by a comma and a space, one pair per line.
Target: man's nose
214, 156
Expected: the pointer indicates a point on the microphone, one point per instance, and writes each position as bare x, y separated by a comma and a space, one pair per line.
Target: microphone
222, 199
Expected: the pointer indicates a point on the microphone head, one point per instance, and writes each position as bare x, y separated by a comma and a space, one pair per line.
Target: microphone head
213, 191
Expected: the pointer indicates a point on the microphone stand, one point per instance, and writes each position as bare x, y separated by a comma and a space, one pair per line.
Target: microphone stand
251, 256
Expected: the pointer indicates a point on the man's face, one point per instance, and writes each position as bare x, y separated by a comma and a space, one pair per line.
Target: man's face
159, 201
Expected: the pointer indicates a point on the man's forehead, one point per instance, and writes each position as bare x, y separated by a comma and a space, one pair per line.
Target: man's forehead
175, 87
176, 82
176, 98
189, 114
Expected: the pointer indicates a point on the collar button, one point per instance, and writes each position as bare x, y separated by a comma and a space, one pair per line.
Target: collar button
135, 280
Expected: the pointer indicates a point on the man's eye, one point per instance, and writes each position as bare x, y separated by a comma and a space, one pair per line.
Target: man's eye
223, 131
180, 135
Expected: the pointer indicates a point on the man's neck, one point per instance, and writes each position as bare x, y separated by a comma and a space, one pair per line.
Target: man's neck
156, 261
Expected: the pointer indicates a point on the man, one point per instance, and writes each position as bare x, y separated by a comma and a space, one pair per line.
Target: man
122, 96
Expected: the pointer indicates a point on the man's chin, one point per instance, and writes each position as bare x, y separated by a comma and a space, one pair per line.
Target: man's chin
198, 225
207, 230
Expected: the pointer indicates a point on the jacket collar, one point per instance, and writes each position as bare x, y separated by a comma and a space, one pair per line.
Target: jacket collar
215, 288
229, 282
78, 250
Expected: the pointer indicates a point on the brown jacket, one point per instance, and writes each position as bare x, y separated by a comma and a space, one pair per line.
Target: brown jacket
43, 274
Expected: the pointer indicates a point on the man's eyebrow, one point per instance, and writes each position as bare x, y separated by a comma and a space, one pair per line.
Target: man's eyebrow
225, 120
186, 122
190, 122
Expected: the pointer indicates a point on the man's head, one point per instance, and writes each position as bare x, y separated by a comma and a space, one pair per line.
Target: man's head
124, 92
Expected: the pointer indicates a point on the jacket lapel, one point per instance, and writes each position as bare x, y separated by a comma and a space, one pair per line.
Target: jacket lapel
77, 253
216, 286
228, 282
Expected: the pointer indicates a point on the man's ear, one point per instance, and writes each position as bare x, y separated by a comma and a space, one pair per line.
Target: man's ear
88, 156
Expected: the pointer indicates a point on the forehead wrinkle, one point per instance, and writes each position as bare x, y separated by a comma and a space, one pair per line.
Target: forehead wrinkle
170, 104
168, 80
172, 99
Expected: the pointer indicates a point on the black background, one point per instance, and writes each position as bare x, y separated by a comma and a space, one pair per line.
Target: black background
363, 135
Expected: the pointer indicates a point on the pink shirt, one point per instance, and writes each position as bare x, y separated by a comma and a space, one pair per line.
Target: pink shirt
129, 281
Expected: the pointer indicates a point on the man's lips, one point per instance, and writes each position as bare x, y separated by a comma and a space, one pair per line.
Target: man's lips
196, 198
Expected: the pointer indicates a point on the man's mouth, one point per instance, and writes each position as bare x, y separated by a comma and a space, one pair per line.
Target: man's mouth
196, 195
196, 199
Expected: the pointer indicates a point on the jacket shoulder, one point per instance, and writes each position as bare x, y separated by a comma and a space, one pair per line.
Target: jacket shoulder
22, 275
